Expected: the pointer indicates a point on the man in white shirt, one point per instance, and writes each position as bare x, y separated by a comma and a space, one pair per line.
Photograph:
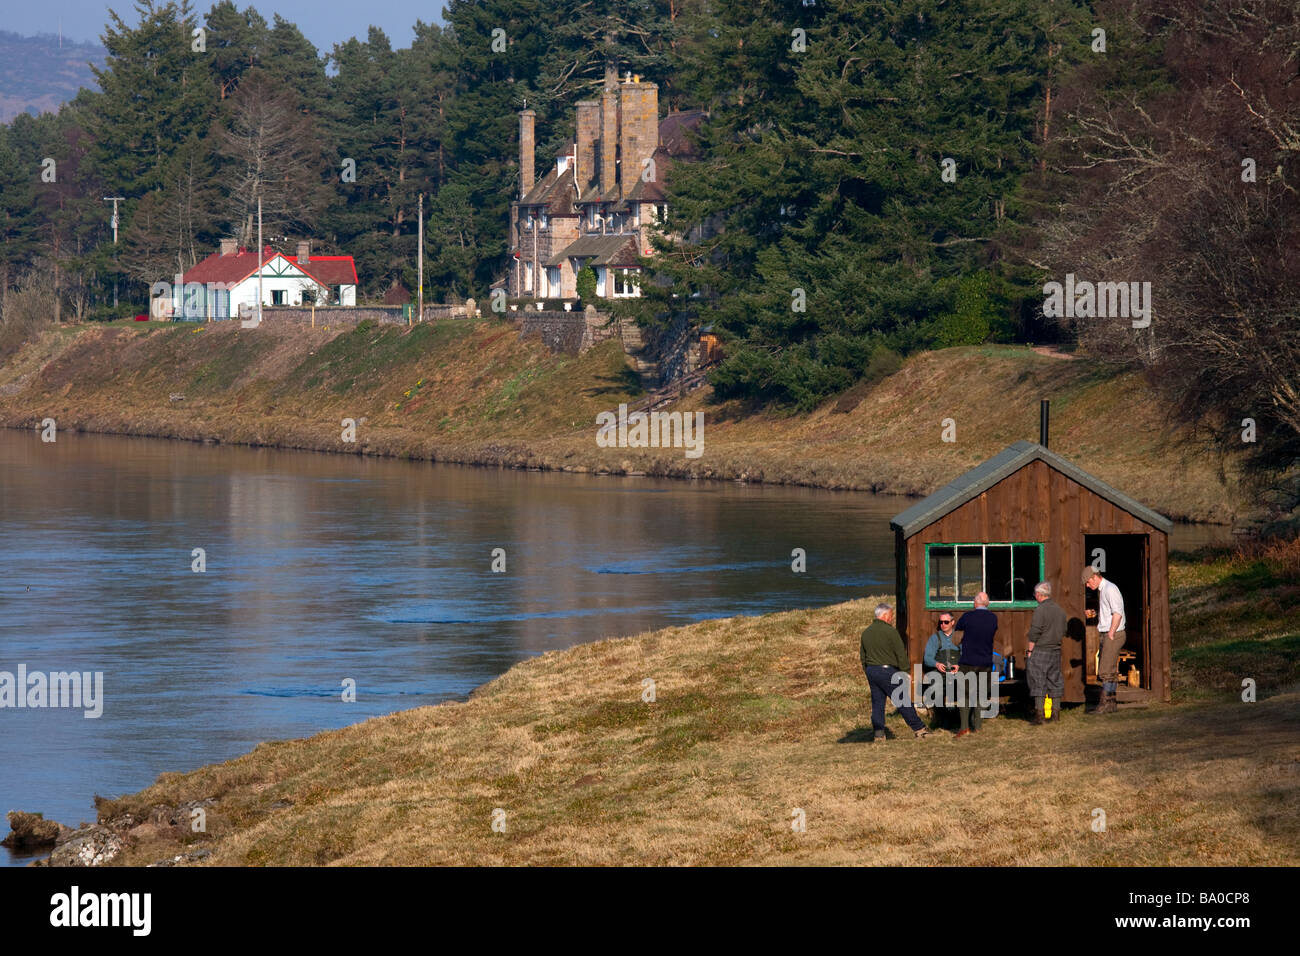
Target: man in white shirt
1110, 628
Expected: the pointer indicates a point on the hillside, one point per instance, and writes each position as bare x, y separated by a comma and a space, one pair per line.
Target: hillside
38, 74
473, 392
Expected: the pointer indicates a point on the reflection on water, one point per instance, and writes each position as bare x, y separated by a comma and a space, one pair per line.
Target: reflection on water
322, 569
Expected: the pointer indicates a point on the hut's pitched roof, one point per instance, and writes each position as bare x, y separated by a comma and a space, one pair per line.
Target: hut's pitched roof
983, 477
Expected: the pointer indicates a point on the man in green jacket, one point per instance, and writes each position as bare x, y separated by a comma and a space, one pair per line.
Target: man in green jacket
883, 655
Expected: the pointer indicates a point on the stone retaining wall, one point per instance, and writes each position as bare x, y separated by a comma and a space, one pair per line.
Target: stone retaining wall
568, 333
333, 316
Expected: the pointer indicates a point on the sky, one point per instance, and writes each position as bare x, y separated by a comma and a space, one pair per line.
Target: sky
323, 22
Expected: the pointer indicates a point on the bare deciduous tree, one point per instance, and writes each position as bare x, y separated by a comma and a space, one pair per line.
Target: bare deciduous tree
272, 153
1188, 184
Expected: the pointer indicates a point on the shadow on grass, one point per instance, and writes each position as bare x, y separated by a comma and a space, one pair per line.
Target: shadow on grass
860, 735
625, 381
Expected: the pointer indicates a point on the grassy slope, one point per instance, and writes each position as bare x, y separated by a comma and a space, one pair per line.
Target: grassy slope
757, 716
473, 392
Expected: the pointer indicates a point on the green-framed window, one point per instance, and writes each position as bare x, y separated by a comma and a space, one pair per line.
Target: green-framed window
1008, 571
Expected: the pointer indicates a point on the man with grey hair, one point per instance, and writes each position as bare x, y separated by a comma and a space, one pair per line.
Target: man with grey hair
977, 626
1110, 628
1046, 629
883, 655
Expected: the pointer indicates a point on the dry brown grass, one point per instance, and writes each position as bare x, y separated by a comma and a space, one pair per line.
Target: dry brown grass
1282, 554
753, 718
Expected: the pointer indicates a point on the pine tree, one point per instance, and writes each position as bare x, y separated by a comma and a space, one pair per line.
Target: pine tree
823, 165
155, 93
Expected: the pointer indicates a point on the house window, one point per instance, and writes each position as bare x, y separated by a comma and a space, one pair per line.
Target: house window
553, 281
528, 277
528, 217
955, 573
277, 296
623, 284
544, 218
661, 213
592, 214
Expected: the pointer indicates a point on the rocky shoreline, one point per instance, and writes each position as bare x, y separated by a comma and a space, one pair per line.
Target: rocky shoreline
98, 844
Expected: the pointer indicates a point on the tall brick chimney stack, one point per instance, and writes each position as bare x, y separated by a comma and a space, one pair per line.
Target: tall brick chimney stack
588, 135
527, 119
229, 247
609, 134
304, 252
638, 129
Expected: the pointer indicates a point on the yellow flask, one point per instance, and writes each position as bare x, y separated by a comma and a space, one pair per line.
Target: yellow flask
1047, 707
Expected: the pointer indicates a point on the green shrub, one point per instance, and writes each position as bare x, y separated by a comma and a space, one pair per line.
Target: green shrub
884, 363
586, 280
979, 313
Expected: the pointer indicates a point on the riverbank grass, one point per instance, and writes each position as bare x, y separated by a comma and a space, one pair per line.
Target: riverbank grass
759, 722
475, 392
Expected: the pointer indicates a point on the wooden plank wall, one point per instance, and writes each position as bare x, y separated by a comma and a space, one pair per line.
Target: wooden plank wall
1038, 503
1160, 665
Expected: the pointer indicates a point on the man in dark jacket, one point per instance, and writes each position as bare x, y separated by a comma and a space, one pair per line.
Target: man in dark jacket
1046, 629
977, 627
883, 655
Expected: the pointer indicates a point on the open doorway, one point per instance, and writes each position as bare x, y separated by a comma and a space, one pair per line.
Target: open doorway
1122, 559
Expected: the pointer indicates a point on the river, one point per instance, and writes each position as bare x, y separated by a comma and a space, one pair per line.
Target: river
320, 570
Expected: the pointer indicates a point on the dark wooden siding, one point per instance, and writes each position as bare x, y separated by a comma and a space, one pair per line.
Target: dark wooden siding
1039, 503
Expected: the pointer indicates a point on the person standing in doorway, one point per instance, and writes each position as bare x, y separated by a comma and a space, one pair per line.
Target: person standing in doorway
1046, 629
1110, 629
977, 627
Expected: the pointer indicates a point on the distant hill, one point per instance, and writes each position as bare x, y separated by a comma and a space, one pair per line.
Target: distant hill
37, 74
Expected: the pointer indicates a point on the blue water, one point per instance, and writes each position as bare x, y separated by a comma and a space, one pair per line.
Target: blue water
323, 568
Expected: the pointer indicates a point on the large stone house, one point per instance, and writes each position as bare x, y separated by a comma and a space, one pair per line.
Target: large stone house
598, 204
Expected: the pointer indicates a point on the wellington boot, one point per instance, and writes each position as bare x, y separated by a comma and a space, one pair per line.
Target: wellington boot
1038, 720
1107, 704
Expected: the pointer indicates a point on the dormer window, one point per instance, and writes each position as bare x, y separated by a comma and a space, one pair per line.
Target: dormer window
544, 217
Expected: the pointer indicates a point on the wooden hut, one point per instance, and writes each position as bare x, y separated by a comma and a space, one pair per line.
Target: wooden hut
1023, 516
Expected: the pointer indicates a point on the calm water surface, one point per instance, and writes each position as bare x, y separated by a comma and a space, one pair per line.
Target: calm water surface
323, 568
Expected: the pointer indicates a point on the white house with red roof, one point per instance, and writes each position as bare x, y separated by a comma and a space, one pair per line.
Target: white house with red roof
226, 281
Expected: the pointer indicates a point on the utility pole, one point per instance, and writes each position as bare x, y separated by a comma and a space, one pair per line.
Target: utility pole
419, 258
115, 200
259, 260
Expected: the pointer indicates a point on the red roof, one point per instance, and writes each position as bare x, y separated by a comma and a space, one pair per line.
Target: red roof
219, 268
330, 270
326, 270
